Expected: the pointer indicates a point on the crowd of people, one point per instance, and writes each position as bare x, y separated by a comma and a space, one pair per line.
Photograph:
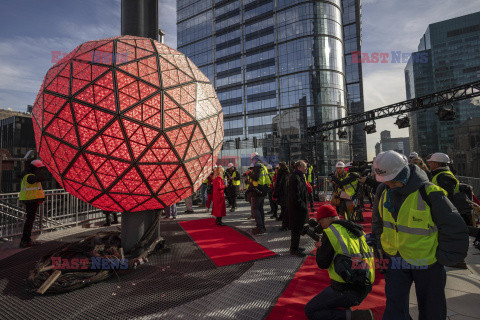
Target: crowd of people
422, 217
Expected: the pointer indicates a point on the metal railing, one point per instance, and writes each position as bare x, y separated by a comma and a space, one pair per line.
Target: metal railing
59, 210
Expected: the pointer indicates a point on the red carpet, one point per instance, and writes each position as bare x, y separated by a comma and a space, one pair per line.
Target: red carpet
224, 245
310, 280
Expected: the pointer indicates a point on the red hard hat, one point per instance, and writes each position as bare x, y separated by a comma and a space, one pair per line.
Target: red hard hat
326, 211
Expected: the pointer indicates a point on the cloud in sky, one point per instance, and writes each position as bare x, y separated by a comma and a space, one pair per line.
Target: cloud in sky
388, 26
30, 30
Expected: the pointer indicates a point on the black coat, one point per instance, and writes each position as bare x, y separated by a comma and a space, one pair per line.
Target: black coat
280, 187
297, 207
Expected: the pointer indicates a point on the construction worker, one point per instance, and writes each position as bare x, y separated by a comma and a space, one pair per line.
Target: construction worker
31, 195
309, 177
347, 183
233, 185
419, 231
342, 240
258, 190
442, 176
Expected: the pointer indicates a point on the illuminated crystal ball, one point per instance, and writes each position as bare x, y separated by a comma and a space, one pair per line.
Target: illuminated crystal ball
128, 124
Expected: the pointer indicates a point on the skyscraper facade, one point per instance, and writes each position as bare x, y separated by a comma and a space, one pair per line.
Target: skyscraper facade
278, 67
448, 56
352, 28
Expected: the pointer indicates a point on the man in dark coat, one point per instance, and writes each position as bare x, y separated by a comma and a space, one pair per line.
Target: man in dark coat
297, 207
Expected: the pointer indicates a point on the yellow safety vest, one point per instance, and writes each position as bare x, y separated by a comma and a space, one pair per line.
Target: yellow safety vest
449, 173
264, 177
356, 248
235, 182
30, 191
414, 235
350, 188
309, 174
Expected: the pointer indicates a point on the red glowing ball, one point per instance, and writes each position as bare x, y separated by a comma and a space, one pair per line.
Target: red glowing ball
128, 124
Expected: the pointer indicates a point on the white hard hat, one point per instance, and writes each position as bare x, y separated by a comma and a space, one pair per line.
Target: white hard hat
269, 167
340, 164
388, 165
413, 155
230, 165
439, 157
253, 155
37, 163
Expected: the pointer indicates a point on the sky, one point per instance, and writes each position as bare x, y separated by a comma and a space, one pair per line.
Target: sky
34, 32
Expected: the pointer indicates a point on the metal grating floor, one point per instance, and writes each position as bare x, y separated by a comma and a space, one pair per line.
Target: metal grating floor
181, 284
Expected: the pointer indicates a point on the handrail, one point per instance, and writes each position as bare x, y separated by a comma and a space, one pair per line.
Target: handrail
59, 209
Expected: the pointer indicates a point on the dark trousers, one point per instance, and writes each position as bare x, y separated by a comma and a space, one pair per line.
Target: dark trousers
232, 192
325, 304
429, 288
258, 212
31, 209
310, 199
295, 239
273, 204
284, 216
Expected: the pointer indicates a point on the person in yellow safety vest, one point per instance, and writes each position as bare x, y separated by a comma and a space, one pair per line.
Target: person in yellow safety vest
31, 195
445, 179
258, 190
419, 231
309, 177
441, 174
233, 185
347, 183
342, 241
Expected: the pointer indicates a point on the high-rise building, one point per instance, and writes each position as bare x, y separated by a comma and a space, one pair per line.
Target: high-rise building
466, 149
447, 56
17, 139
353, 72
278, 67
400, 145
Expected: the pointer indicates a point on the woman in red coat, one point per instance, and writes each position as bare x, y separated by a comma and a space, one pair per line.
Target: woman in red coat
219, 209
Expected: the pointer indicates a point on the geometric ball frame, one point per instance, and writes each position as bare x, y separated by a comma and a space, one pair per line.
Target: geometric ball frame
128, 124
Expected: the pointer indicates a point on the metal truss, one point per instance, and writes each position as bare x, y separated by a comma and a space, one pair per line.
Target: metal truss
441, 98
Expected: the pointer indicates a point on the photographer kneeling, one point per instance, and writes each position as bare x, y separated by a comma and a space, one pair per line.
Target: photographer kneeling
342, 243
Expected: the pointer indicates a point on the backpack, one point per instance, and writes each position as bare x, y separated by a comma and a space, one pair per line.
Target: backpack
461, 200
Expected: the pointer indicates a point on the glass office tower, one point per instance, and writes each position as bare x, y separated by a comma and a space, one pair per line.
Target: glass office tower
278, 67
353, 74
448, 56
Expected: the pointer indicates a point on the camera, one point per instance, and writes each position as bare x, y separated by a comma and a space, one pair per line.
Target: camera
312, 229
362, 167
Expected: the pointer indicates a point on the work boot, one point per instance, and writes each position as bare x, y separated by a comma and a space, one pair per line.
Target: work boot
362, 315
232, 210
298, 253
26, 244
460, 265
